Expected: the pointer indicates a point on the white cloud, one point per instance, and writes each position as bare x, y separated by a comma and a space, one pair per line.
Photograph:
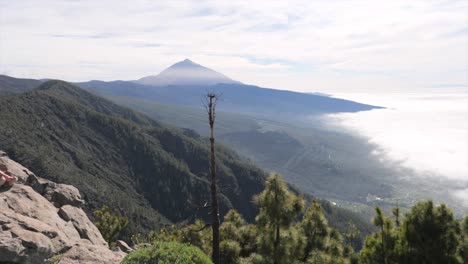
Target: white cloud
426, 131
307, 44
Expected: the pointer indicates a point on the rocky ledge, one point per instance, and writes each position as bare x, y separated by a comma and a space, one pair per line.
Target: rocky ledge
42, 221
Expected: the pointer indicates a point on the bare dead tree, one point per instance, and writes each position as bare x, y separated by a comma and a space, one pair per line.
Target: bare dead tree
212, 99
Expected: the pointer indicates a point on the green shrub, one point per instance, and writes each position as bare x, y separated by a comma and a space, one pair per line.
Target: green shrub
230, 252
253, 259
167, 253
110, 224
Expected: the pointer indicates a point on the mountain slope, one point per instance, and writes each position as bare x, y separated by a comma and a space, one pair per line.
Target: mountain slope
186, 72
115, 156
185, 82
328, 164
12, 86
237, 98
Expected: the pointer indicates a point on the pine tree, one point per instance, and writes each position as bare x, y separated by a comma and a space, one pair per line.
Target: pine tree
463, 248
432, 234
232, 223
335, 246
314, 227
278, 209
235, 229
230, 234
353, 236
380, 221
379, 247
396, 214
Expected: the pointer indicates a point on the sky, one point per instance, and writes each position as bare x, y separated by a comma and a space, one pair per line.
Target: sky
327, 45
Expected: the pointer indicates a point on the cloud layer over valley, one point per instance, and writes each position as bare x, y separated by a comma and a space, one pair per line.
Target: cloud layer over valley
426, 132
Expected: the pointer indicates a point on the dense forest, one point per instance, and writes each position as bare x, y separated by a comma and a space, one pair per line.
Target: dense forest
288, 229
154, 173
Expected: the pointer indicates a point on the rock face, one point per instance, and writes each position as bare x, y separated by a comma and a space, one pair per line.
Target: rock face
40, 220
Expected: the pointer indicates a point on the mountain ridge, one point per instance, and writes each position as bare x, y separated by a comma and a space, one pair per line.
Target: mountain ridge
12, 86
237, 97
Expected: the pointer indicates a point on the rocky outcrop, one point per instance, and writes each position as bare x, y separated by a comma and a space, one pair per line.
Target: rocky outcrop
123, 246
58, 194
40, 220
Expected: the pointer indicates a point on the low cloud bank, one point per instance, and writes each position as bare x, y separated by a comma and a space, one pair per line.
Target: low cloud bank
425, 131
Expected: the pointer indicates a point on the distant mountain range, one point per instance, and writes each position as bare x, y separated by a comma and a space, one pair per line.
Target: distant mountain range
185, 82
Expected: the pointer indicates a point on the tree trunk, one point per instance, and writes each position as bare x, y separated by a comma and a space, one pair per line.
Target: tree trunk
214, 190
276, 244
309, 247
384, 255
277, 236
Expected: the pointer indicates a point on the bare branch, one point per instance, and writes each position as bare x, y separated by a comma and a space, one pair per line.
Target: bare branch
204, 102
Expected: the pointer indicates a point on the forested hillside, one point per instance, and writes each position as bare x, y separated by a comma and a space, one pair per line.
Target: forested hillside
152, 173
12, 86
115, 156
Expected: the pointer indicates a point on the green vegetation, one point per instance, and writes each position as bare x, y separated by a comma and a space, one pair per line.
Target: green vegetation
278, 209
115, 156
54, 260
167, 253
427, 234
314, 226
286, 232
463, 249
110, 224
279, 235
